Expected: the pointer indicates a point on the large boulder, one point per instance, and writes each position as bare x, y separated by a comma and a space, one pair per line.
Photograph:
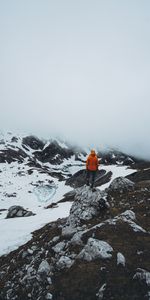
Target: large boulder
79, 178
87, 204
120, 185
95, 249
18, 211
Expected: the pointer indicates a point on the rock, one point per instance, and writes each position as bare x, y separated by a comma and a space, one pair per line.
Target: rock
55, 239
53, 153
64, 262
49, 280
68, 196
49, 296
11, 155
30, 273
140, 175
128, 215
101, 292
68, 231
113, 157
18, 211
95, 249
32, 142
76, 239
121, 184
79, 178
44, 268
58, 247
142, 275
30, 251
121, 259
25, 254
87, 204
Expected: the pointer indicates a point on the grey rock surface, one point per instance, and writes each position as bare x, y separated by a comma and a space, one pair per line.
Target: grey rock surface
121, 259
95, 249
87, 204
58, 247
44, 267
121, 184
64, 262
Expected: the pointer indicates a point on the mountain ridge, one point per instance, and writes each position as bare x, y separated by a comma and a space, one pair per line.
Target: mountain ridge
74, 230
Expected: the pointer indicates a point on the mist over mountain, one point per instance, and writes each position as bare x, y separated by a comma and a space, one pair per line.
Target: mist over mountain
78, 71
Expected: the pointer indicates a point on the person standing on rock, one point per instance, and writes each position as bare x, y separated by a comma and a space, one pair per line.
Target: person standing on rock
91, 167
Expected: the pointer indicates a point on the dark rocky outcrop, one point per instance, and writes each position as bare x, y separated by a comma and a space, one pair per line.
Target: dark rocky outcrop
112, 157
140, 175
54, 153
18, 211
79, 178
32, 142
10, 155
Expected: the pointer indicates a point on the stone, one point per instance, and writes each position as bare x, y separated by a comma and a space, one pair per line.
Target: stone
68, 231
79, 178
44, 268
95, 249
142, 275
58, 247
121, 184
64, 262
49, 296
100, 293
76, 239
121, 259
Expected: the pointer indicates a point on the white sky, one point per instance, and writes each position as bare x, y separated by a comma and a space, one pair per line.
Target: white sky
79, 69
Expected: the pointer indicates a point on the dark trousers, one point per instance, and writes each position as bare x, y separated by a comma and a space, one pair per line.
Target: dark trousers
92, 175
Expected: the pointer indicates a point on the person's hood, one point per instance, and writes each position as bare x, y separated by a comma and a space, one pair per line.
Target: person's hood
92, 153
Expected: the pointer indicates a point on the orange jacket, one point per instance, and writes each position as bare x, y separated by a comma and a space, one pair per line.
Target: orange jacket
92, 162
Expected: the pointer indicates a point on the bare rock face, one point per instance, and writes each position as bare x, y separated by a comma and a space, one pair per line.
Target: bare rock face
18, 211
53, 153
32, 142
121, 184
87, 204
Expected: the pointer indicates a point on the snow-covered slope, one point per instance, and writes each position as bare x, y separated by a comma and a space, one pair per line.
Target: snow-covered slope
33, 174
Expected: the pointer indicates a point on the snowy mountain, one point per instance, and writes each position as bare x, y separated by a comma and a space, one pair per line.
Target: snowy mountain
46, 180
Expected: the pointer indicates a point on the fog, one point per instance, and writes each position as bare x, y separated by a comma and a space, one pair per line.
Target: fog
78, 70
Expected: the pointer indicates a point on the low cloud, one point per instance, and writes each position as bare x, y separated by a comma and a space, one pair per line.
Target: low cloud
81, 73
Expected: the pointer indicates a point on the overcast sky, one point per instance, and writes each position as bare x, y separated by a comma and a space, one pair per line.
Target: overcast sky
77, 68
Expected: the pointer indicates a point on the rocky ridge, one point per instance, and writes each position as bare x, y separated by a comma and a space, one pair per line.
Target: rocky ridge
101, 251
